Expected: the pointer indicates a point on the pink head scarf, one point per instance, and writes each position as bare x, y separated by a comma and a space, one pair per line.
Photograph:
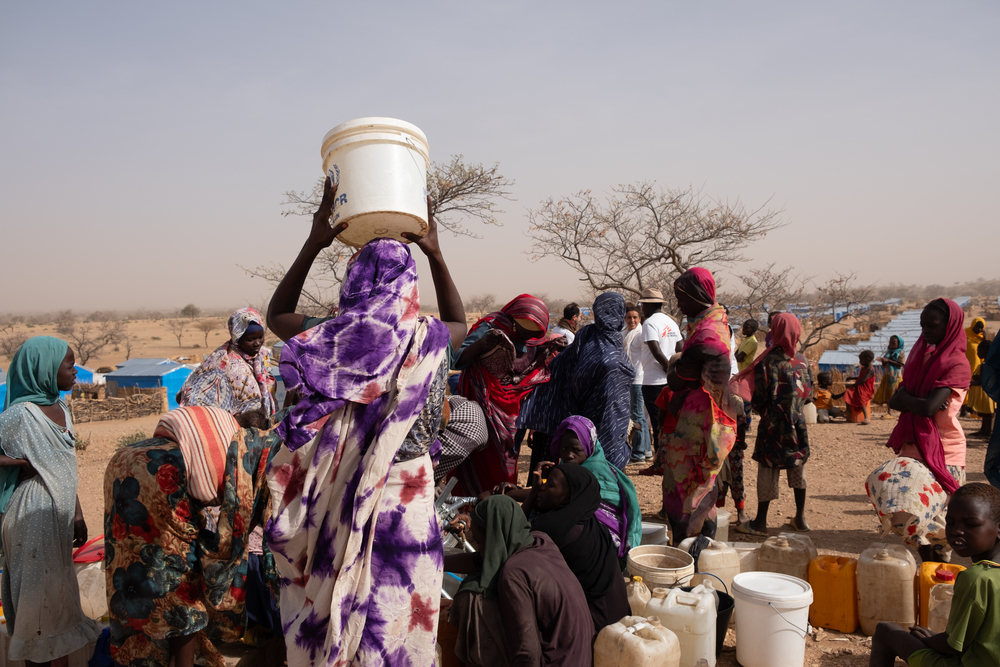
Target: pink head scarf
931, 367
785, 333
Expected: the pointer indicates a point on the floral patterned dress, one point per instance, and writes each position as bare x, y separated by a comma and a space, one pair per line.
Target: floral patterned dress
167, 574
910, 502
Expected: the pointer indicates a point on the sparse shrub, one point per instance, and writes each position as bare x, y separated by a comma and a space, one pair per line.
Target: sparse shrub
157, 338
105, 369
82, 443
130, 439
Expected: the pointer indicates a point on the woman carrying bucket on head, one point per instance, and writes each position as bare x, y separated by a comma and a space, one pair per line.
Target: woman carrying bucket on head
361, 583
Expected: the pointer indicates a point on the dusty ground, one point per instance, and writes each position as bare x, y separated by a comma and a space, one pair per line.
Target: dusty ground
838, 510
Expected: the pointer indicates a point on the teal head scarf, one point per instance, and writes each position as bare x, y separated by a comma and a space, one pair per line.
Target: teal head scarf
507, 532
31, 377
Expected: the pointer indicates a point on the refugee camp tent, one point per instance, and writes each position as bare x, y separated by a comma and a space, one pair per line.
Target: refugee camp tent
149, 373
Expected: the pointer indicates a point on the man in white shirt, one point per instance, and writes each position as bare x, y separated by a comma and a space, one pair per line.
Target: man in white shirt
569, 323
661, 335
641, 446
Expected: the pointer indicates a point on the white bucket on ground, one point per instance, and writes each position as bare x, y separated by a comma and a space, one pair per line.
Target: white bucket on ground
772, 619
654, 533
660, 565
380, 166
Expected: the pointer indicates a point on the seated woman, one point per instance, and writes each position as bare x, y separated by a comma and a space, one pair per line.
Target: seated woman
928, 440
521, 605
567, 505
235, 377
42, 518
175, 587
575, 441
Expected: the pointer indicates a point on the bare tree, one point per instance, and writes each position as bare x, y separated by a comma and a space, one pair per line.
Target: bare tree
644, 236
457, 190
763, 291
128, 343
207, 327
11, 342
190, 311
482, 304
839, 299
87, 340
177, 329
65, 319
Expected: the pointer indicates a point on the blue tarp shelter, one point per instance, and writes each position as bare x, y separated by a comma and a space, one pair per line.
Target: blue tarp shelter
151, 373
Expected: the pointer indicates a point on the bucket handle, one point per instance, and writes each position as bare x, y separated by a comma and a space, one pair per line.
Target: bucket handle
808, 631
706, 574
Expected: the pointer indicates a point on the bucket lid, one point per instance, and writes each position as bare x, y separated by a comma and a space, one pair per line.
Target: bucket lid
772, 587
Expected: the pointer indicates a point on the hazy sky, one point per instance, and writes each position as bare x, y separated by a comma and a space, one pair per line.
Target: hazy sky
145, 147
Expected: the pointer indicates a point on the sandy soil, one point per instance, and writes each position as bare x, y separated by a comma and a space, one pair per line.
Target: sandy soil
838, 510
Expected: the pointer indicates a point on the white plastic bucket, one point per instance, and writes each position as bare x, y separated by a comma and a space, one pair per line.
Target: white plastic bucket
380, 166
654, 533
772, 619
660, 565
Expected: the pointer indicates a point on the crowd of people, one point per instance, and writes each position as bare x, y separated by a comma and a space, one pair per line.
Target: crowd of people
316, 520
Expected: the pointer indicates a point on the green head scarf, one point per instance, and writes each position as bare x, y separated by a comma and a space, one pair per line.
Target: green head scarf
507, 532
31, 377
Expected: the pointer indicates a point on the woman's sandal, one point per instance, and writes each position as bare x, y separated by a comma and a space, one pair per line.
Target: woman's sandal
745, 529
795, 525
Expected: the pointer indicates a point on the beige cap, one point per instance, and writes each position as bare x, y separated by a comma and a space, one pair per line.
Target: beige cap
652, 296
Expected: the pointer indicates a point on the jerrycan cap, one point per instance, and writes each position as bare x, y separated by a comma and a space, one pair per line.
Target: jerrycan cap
659, 593
882, 555
781, 541
637, 579
944, 574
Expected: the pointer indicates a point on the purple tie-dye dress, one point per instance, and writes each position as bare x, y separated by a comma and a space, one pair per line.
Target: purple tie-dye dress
354, 533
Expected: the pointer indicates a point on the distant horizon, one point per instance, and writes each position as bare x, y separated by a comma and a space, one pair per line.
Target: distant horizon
147, 146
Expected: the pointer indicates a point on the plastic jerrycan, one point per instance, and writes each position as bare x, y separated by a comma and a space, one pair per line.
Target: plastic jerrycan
932, 574
638, 595
886, 586
940, 607
717, 558
835, 593
691, 616
638, 641
787, 553
722, 519
748, 553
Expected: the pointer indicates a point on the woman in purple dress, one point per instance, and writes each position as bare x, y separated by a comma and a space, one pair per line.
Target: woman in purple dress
353, 529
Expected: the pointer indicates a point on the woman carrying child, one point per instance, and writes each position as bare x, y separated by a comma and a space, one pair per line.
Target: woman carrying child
860, 390
892, 369
910, 491
971, 638
779, 383
705, 410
